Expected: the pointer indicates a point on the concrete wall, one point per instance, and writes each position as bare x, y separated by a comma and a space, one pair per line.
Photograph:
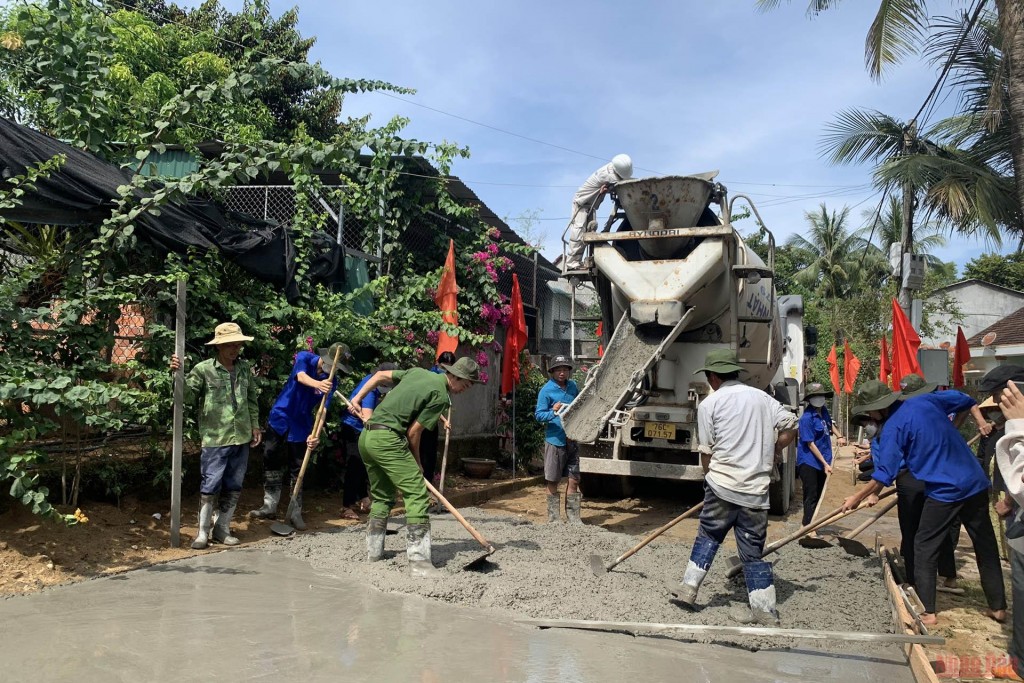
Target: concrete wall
981, 306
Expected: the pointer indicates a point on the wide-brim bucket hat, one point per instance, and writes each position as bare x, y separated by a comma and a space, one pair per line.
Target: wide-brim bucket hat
720, 362
873, 395
464, 368
228, 333
817, 389
344, 358
915, 385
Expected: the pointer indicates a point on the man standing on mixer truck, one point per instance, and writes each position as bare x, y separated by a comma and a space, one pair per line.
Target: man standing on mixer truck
586, 201
740, 429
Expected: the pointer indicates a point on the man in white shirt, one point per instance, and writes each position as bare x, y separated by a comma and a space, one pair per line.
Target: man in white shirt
585, 203
740, 430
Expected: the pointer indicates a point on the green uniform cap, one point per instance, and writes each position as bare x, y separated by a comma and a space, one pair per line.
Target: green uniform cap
720, 362
873, 395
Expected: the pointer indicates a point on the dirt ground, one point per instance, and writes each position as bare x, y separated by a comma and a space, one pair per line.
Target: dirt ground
35, 554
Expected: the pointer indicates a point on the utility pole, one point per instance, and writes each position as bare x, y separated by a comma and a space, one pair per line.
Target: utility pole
907, 238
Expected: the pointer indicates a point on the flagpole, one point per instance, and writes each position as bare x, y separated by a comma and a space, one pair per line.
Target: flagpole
513, 432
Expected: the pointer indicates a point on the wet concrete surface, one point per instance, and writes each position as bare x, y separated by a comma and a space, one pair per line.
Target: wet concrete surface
261, 615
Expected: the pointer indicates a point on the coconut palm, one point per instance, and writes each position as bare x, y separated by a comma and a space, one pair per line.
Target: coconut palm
885, 228
899, 30
839, 261
957, 188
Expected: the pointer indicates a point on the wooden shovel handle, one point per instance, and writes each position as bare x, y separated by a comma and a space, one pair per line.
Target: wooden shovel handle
654, 534
874, 518
813, 526
457, 515
318, 425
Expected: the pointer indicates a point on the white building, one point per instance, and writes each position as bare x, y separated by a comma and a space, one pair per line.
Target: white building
998, 344
981, 304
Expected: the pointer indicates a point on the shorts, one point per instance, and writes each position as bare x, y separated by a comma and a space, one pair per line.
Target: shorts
561, 461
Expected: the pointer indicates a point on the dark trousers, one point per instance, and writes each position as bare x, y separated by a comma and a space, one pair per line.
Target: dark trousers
750, 526
934, 531
1016, 649
909, 505
355, 486
281, 454
222, 468
428, 453
813, 481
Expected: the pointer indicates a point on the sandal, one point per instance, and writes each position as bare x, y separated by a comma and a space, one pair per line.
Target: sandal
954, 590
364, 505
349, 513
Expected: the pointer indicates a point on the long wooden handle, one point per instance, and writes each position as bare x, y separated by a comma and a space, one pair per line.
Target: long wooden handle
457, 515
833, 516
318, 425
874, 518
447, 438
654, 534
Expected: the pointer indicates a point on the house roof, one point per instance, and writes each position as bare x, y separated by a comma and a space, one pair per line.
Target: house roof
976, 282
1009, 330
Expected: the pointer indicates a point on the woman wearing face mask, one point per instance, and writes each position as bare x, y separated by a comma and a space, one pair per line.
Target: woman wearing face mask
814, 446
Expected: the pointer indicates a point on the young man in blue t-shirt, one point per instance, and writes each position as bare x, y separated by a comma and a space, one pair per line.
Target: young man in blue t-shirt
561, 456
916, 433
291, 423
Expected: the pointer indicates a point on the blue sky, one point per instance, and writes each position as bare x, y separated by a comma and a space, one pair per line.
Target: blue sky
682, 87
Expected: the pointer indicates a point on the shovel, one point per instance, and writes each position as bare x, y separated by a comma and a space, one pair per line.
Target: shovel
734, 562
444, 456
856, 547
817, 541
597, 564
479, 562
280, 528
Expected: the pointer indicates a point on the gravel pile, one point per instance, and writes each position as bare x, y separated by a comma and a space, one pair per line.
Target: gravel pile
543, 571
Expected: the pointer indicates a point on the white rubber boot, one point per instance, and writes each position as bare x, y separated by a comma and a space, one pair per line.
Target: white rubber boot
222, 528
418, 552
554, 513
272, 481
376, 529
206, 504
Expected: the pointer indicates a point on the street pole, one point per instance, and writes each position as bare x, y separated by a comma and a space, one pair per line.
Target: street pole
907, 237
179, 414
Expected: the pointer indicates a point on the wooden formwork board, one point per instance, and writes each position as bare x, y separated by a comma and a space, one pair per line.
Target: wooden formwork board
920, 666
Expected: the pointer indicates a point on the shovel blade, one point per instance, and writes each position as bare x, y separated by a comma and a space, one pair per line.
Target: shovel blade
597, 565
281, 529
813, 542
853, 547
734, 562
479, 563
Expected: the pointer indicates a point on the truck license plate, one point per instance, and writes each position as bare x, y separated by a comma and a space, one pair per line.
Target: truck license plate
659, 430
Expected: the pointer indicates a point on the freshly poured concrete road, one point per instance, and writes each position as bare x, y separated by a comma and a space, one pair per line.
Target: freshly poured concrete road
258, 615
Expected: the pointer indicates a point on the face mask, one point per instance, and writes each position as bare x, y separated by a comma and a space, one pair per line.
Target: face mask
871, 429
817, 401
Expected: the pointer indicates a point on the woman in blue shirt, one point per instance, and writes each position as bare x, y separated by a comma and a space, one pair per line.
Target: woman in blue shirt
814, 446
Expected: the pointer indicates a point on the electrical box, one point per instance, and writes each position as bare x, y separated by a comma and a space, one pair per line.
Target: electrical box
934, 365
913, 271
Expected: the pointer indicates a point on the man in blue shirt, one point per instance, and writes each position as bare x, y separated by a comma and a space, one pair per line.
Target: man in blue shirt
291, 423
561, 456
354, 497
916, 433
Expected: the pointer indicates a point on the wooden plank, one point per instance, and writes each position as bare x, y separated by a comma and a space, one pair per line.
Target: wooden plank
919, 665
706, 629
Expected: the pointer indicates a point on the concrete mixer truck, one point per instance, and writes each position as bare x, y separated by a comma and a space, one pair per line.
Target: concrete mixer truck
674, 280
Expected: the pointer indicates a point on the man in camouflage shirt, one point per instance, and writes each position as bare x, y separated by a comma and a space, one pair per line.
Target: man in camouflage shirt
224, 391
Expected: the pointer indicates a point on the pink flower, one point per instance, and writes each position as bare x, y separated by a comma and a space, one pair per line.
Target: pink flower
492, 249
419, 351
309, 343
584, 368
431, 293
481, 359
409, 336
494, 234
483, 377
495, 346
480, 256
432, 337
390, 328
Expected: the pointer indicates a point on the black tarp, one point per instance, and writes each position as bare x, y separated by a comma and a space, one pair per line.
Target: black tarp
84, 192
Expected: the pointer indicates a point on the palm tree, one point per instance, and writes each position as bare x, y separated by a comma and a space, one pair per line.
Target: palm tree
838, 259
899, 30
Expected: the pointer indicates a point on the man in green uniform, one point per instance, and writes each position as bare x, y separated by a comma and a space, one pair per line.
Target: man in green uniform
390, 448
224, 391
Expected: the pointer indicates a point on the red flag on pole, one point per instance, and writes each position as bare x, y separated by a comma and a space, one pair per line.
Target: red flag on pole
961, 354
905, 343
515, 340
884, 366
833, 368
599, 332
851, 368
446, 299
